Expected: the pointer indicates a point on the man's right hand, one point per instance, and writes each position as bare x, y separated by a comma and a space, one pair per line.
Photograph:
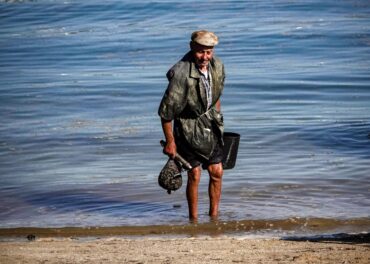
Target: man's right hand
170, 149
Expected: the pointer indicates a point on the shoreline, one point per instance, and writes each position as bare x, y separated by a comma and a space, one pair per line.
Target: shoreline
277, 227
215, 242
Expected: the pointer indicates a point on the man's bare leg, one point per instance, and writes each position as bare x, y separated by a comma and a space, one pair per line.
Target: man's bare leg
192, 192
214, 189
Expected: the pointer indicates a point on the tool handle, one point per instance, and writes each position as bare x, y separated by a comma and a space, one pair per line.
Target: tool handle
186, 165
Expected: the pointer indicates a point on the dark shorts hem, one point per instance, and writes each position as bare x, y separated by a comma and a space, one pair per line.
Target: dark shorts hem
195, 160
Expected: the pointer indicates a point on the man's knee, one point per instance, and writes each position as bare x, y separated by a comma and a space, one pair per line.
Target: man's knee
194, 175
215, 171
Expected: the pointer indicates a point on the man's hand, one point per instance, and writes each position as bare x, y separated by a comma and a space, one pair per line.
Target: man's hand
170, 149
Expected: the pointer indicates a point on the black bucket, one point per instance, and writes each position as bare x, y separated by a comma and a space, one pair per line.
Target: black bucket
230, 150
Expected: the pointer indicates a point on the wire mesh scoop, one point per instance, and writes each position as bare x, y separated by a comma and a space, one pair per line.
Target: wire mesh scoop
170, 177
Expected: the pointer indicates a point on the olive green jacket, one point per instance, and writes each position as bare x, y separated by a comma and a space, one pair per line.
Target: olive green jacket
185, 102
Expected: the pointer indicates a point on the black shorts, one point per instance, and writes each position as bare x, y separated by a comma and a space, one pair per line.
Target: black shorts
195, 160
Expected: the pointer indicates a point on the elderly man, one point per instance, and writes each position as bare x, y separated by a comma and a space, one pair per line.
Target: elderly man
192, 102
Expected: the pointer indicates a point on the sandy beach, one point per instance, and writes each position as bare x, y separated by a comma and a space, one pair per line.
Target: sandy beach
182, 250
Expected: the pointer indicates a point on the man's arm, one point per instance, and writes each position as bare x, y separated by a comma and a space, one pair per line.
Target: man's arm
218, 105
170, 148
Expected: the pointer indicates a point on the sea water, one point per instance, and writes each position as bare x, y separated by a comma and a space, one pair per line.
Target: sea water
80, 85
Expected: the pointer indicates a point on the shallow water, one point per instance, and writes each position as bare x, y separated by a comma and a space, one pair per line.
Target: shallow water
81, 83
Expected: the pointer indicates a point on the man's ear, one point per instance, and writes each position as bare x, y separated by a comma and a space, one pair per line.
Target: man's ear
191, 45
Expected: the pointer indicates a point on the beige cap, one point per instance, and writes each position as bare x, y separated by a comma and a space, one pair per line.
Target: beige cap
205, 38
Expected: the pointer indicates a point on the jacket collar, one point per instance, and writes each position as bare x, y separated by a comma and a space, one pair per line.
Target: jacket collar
194, 73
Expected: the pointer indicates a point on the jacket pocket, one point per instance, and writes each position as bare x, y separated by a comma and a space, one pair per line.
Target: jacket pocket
199, 134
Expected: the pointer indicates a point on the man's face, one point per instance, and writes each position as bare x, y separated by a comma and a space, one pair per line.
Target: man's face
202, 54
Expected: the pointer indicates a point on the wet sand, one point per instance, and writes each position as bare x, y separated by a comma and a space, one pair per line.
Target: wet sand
215, 228
182, 250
